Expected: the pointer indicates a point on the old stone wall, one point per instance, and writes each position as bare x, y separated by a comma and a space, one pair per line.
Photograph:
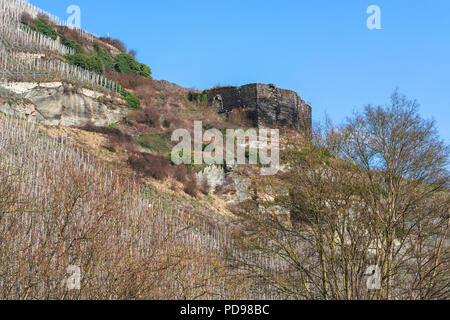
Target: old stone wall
266, 105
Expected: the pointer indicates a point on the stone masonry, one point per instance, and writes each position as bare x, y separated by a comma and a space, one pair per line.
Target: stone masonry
266, 105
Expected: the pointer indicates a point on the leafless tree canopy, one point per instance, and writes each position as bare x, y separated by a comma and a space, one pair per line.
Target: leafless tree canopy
368, 201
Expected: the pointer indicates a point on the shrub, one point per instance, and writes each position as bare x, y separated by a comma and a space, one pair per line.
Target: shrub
145, 70
110, 130
130, 80
125, 63
91, 63
119, 45
68, 34
198, 97
166, 123
96, 65
133, 102
105, 57
26, 19
180, 173
44, 18
132, 52
204, 187
147, 117
190, 185
44, 28
151, 165
74, 45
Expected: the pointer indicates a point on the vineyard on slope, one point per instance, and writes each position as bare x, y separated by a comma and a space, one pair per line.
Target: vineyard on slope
59, 207
20, 45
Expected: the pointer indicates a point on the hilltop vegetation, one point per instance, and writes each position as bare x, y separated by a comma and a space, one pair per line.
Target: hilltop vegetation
96, 57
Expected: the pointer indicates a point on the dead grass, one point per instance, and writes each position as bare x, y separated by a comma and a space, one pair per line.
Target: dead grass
72, 34
150, 165
119, 45
129, 80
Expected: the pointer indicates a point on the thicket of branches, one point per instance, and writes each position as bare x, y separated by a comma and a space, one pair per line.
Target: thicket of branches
368, 200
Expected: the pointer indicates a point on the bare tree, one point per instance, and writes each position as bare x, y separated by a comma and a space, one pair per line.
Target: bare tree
361, 213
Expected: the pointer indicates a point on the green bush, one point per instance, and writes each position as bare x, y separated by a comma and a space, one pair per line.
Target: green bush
145, 70
198, 97
91, 63
105, 57
133, 102
74, 45
125, 63
42, 27
96, 65
124, 93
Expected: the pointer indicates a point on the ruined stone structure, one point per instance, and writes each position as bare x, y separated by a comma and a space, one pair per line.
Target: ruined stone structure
266, 105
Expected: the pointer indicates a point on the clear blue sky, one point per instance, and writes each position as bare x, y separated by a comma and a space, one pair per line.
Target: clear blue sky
321, 49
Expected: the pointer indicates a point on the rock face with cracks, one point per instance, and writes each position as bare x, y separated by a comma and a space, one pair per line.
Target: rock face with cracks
57, 103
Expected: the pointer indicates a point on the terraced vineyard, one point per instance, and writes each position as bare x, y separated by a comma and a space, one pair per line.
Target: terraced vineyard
59, 207
22, 51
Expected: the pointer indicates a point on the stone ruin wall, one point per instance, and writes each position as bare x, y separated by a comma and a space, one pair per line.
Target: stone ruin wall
266, 105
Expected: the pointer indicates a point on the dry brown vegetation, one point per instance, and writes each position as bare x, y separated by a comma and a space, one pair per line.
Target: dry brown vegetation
59, 208
370, 195
26, 19
119, 45
129, 80
72, 34
151, 165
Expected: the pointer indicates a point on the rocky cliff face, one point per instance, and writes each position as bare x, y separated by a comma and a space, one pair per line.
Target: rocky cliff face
62, 104
265, 105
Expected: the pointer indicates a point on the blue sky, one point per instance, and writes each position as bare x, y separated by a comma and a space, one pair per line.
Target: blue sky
321, 49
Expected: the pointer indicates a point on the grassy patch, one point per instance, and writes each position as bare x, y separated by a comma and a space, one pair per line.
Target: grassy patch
154, 142
191, 109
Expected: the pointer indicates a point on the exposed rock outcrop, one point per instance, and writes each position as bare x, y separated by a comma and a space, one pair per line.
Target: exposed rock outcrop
214, 175
57, 103
266, 105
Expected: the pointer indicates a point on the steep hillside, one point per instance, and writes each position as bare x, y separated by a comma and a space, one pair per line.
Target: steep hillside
61, 207
90, 181
60, 76
87, 178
